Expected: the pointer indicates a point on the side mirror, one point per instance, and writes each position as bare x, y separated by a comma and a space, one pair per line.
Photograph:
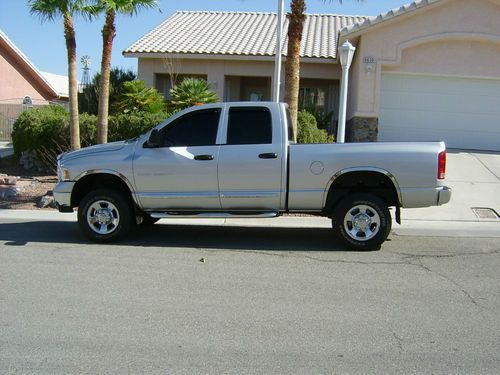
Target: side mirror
155, 139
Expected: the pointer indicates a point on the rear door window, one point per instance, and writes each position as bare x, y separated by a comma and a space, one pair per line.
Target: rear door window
249, 125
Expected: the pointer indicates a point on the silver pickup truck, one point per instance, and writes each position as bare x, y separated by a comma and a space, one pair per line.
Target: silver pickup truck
238, 160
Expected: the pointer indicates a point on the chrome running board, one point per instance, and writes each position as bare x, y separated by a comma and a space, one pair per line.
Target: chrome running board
212, 215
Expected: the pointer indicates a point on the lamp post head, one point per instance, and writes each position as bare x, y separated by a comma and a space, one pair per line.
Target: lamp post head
346, 54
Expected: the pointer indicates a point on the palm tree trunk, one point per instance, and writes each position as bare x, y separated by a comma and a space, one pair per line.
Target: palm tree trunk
74, 125
108, 34
292, 65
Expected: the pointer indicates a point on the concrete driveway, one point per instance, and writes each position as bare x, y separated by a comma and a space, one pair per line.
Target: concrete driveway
474, 177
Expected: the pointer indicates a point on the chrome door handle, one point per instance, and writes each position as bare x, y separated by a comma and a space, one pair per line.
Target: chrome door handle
269, 155
204, 157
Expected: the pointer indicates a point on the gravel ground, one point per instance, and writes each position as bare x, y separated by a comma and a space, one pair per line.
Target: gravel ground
32, 185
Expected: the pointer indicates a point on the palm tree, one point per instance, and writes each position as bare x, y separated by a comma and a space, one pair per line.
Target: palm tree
110, 9
296, 19
49, 10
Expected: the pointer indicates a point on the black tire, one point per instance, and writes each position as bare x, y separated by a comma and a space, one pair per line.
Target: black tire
112, 223
147, 220
362, 221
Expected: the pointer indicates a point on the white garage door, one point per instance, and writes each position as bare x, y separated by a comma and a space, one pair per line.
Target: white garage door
463, 112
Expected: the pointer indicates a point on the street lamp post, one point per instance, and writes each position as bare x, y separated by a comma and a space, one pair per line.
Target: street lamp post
279, 43
346, 54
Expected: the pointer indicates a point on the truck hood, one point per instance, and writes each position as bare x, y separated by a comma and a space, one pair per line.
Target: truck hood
103, 148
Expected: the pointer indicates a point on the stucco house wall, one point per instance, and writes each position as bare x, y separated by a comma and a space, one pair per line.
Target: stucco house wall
217, 69
18, 79
448, 38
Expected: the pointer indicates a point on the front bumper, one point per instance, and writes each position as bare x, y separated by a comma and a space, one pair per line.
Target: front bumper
62, 195
444, 195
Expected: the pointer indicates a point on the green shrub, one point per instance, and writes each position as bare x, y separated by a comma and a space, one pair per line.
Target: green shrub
88, 129
136, 97
192, 91
308, 131
39, 127
323, 119
45, 130
129, 125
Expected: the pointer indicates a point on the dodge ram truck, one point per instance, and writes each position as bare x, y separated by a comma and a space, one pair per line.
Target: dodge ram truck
239, 160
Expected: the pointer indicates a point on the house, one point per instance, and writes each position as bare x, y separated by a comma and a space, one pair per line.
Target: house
427, 71
22, 86
234, 52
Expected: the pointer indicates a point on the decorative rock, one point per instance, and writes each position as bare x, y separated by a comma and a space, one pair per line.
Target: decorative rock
8, 192
8, 180
46, 201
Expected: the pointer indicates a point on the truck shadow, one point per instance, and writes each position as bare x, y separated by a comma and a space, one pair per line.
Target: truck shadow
175, 236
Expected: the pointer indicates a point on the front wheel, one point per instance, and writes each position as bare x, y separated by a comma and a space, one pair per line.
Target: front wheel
362, 221
104, 215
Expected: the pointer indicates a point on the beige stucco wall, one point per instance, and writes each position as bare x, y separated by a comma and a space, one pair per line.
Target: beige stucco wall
16, 83
451, 37
216, 70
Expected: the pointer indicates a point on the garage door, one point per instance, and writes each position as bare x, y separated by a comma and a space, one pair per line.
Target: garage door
463, 112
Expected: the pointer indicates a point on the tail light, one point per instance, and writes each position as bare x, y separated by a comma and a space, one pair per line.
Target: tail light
441, 165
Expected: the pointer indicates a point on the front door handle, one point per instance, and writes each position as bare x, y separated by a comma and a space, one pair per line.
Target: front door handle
269, 155
204, 157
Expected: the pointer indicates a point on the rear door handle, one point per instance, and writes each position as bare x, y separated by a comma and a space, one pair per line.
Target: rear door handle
204, 157
269, 155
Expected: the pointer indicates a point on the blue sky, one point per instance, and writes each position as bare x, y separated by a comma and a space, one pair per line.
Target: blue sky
43, 43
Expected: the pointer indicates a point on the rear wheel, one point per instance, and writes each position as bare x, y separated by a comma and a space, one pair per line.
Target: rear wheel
362, 221
105, 215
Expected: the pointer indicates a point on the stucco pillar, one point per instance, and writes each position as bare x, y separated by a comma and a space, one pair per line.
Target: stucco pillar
215, 78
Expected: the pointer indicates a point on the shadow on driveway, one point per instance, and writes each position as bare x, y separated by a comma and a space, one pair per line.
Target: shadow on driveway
175, 236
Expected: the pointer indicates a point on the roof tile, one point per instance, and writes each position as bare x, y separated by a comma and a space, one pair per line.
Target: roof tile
239, 33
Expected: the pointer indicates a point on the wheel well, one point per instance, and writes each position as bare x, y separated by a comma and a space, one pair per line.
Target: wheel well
98, 181
375, 183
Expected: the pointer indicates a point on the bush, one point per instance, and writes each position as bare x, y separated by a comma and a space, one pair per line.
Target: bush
130, 125
308, 131
192, 91
45, 130
136, 97
39, 127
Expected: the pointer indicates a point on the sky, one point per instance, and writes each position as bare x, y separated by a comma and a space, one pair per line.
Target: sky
43, 43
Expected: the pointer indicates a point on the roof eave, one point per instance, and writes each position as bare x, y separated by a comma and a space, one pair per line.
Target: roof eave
234, 57
369, 24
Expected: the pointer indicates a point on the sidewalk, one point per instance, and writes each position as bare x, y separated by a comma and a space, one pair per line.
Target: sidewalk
473, 176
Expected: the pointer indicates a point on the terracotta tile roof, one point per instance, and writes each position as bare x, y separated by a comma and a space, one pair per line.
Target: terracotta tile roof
372, 21
239, 33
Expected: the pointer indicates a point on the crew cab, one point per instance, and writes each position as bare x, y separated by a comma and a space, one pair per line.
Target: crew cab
239, 160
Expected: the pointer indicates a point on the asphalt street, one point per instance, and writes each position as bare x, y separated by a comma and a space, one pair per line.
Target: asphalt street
180, 299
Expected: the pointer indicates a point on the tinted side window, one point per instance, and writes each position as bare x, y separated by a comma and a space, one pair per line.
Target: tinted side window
193, 129
249, 125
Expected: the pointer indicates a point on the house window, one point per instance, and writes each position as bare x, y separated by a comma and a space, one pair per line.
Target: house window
312, 98
27, 101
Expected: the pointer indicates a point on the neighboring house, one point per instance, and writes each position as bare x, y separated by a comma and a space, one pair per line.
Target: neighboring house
60, 84
427, 71
22, 86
